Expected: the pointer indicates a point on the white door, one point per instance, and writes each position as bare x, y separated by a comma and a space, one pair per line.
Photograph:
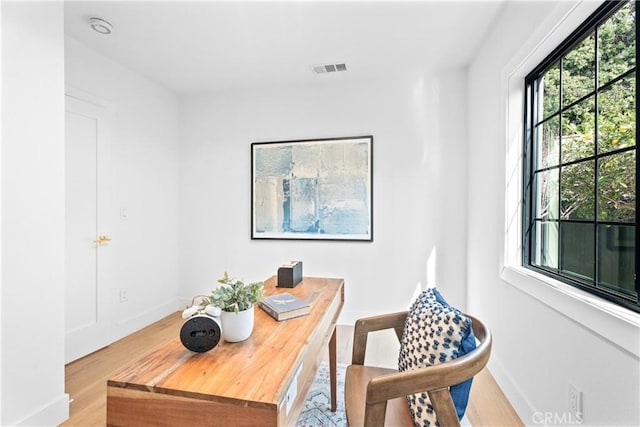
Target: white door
89, 309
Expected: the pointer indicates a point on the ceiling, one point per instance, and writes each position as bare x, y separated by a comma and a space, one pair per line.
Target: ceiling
208, 46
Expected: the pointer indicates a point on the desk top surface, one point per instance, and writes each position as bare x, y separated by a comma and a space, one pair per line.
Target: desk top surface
246, 370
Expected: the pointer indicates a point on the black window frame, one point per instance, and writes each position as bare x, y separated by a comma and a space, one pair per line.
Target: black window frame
588, 27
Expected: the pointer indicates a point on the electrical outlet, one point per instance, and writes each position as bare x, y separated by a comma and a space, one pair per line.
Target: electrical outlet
575, 400
124, 296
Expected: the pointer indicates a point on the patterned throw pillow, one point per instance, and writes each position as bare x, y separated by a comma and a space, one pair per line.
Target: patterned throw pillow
434, 332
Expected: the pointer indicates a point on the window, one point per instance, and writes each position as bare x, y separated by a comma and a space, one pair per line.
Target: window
579, 216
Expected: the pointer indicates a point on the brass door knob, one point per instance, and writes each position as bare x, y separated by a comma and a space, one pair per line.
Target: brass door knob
102, 240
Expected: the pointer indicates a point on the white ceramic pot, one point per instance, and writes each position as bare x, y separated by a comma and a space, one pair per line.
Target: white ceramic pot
237, 326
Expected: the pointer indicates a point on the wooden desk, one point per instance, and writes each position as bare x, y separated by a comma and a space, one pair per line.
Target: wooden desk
261, 381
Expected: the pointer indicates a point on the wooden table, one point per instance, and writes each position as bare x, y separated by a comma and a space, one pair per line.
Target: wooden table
261, 381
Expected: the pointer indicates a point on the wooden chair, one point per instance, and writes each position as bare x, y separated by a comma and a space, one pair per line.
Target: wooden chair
377, 396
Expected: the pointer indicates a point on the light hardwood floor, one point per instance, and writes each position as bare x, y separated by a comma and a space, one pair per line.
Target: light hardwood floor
86, 378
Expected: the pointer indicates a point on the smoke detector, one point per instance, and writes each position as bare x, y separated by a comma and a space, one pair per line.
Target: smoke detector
100, 25
329, 68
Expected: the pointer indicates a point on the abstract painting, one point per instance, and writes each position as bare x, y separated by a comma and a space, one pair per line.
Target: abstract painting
313, 189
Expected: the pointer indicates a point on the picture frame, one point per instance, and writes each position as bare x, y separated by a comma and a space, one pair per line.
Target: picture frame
313, 189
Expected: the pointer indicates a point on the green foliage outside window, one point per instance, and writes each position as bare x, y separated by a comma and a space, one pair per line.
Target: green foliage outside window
616, 121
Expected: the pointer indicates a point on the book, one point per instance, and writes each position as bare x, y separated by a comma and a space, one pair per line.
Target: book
284, 306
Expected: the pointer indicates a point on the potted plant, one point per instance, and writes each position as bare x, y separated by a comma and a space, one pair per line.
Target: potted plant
236, 301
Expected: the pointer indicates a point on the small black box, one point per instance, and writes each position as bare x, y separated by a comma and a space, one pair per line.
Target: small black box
290, 275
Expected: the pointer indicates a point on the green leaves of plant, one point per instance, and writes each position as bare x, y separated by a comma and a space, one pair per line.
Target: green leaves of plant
234, 295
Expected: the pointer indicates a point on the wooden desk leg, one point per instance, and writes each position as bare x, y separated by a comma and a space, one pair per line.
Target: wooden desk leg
333, 372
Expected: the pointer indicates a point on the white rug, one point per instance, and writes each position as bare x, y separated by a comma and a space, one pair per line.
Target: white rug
317, 406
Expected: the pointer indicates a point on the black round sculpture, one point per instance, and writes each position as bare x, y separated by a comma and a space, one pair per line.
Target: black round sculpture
200, 333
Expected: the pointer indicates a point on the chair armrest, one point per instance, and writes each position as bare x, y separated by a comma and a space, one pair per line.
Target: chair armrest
375, 323
434, 377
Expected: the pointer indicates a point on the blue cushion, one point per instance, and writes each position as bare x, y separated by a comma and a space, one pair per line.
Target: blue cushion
435, 332
460, 392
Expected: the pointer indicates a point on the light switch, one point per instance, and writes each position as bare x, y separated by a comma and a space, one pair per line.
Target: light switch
124, 214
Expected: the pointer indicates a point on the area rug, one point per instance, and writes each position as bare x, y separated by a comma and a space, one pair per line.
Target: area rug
317, 406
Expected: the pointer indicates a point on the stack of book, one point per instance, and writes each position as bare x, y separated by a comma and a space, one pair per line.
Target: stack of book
284, 306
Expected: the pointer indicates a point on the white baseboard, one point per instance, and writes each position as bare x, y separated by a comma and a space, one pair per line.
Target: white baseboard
52, 414
514, 394
184, 303
140, 320
346, 318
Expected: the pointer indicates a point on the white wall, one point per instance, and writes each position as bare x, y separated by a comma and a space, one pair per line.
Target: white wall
419, 127
32, 227
145, 162
1, 130
546, 337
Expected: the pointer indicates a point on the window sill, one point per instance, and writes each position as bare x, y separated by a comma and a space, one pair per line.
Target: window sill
616, 324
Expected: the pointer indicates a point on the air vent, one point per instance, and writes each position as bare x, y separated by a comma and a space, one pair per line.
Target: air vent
329, 68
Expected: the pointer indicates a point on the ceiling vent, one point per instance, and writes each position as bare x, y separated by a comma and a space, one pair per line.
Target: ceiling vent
329, 68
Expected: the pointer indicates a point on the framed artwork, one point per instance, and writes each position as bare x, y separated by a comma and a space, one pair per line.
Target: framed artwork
313, 189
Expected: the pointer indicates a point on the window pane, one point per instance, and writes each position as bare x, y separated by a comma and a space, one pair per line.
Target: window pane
617, 115
580, 158
548, 148
577, 192
577, 253
545, 244
578, 71
616, 258
546, 190
578, 131
617, 44
617, 187
549, 92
